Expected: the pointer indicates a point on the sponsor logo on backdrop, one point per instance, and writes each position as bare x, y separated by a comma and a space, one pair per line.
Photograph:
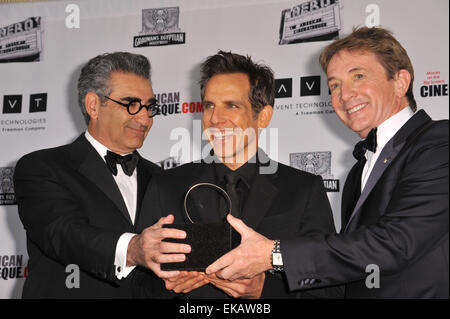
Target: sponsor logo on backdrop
310, 100
160, 27
283, 88
12, 267
13, 103
318, 163
169, 163
14, 110
310, 85
21, 41
7, 195
170, 104
434, 85
316, 20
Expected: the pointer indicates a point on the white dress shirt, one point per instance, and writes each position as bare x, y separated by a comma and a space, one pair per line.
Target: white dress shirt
128, 188
385, 132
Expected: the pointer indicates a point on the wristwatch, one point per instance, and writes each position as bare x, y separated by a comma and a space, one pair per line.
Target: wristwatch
277, 260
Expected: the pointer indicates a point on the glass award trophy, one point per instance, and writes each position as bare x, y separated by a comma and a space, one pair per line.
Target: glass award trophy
204, 204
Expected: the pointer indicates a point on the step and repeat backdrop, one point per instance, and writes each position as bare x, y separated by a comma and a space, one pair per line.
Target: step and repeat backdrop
43, 45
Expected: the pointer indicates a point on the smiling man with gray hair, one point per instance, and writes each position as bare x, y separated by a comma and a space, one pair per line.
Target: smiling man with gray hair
86, 206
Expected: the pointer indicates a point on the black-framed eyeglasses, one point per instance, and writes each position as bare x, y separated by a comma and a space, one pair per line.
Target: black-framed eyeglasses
134, 106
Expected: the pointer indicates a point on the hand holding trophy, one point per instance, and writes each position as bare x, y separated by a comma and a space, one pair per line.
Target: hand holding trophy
208, 240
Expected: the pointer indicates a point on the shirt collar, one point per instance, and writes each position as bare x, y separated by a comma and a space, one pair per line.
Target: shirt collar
247, 171
388, 128
99, 147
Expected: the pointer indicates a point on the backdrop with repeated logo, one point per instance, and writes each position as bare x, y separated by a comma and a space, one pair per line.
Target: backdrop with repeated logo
43, 45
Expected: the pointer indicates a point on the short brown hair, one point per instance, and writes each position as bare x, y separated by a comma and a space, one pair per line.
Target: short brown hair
260, 76
389, 52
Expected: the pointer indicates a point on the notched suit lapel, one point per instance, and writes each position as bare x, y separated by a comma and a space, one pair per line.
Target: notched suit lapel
351, 192
262, 194
408, 131
94, 168
384, 160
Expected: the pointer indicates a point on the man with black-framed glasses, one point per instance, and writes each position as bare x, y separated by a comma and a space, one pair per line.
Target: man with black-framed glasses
134, 105
83, 205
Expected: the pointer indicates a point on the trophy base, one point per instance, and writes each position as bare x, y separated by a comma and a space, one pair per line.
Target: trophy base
208, 243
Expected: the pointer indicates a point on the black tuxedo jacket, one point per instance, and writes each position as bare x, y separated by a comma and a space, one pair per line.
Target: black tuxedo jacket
285, 204
400, 223
73, 213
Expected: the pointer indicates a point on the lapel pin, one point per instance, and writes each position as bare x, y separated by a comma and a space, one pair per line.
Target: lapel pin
386, 160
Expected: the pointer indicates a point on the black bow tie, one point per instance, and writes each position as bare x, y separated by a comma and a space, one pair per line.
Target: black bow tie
370, 143
128, 162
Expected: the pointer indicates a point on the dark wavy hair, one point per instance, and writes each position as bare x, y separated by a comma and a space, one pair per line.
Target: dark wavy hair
260, 76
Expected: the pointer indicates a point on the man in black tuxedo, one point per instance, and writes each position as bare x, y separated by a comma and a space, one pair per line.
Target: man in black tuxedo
81, 210
394, 238
276, 200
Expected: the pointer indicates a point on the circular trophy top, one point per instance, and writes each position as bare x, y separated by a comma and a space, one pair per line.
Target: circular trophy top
220, 189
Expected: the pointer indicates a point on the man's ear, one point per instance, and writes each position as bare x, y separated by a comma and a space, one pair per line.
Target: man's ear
264, 116
402, 82
92, 103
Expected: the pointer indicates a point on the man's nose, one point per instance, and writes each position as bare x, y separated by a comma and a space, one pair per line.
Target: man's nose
143, 116
217, 115
347, 92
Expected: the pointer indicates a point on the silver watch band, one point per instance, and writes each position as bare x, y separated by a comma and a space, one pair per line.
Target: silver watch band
276, 258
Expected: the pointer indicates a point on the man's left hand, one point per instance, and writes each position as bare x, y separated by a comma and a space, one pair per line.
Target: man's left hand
240, 288
186, 281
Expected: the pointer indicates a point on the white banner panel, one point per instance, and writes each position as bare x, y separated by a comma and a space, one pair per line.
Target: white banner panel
44, 44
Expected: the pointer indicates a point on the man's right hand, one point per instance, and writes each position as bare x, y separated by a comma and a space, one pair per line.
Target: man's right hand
147, 249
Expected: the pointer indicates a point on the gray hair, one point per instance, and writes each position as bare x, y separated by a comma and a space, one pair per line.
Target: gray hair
96, 73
